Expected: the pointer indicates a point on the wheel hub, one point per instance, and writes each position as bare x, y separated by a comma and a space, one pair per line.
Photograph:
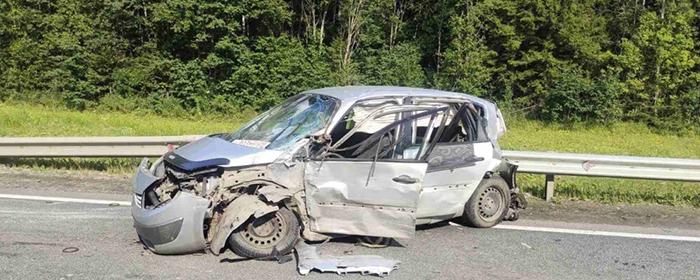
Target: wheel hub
265, 231
490, 203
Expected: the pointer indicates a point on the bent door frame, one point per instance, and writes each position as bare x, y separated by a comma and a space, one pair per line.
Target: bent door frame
372, 197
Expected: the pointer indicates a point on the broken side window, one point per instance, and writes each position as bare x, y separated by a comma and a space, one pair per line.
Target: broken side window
407, 136
361, 121
455, 148
464, 124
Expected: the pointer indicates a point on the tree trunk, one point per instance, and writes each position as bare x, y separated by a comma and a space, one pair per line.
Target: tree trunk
354, 22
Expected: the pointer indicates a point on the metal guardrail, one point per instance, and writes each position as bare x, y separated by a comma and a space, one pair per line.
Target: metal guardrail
90, 146
548, 163
606, 166
652, 168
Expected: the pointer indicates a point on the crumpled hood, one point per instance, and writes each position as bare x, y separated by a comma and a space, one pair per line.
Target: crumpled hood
215, 151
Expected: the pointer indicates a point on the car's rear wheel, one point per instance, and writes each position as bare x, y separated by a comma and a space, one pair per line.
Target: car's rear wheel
489, 203
261, 237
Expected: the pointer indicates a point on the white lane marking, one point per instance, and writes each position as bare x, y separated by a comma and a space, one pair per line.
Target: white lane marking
62, 215
601, 233
511, 227
66, 199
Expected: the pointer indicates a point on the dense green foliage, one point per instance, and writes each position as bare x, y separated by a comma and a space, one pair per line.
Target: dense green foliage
560, 60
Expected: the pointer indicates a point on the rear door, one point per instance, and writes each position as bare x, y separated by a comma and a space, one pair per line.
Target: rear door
371, 185
456, 165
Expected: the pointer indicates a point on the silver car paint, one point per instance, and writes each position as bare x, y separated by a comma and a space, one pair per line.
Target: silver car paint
189, 208
445, 192
237, 212
351, 94
143, 178
361, 197
309, 259
238, 155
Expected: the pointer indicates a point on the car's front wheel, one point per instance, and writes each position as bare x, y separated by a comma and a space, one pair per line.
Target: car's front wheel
489, 203
261, 237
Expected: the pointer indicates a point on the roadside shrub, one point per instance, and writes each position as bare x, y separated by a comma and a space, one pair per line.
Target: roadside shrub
273, 69
398, 66
681, 115
166, 106
115, 102
576, 98
143, 76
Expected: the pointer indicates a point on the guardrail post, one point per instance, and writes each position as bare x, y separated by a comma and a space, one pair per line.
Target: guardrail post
549, 187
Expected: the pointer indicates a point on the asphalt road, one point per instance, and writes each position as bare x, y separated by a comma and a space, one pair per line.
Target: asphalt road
34, 235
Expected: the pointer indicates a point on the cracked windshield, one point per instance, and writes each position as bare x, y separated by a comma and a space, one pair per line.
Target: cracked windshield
284, 125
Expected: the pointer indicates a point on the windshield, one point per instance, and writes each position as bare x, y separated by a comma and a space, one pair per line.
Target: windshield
285, 124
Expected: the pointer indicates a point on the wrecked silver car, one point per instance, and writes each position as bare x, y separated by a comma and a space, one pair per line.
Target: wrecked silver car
364, 161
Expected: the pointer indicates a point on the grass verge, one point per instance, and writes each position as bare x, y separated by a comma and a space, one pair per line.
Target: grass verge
631, 139
619, 139
28, 120
609, 190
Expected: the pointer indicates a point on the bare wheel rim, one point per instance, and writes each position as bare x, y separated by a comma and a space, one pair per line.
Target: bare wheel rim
491, 204
265, 232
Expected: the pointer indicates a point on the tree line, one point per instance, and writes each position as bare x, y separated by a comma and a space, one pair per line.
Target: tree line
557, 60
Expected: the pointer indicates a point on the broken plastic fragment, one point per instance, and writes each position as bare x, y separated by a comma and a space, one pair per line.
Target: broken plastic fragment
308, 259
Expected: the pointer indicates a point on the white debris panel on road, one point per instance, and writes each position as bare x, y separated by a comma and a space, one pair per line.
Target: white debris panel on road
308, 259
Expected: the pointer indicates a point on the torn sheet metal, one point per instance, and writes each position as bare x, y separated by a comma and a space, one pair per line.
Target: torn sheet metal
344, 197
308, 259
288, 174
274, 194
143, 178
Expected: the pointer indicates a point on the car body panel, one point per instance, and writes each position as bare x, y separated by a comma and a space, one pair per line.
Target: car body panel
348, 95
236, 214
143, 178
362, 197
215, 151
445, 191
154, 226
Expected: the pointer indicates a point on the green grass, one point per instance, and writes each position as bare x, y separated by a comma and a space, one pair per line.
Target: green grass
27, 120
528, 135
610, 190
618, 139
34, 121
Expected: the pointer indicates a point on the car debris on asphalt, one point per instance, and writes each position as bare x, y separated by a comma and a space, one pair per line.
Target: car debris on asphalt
308, 259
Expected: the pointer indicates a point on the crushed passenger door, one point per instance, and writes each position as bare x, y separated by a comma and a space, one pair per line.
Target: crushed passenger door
342, 199
374, 192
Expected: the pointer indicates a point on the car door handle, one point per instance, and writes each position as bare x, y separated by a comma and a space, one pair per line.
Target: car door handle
405, 179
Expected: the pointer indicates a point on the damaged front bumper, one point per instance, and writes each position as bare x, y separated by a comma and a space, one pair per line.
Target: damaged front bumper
173, 227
